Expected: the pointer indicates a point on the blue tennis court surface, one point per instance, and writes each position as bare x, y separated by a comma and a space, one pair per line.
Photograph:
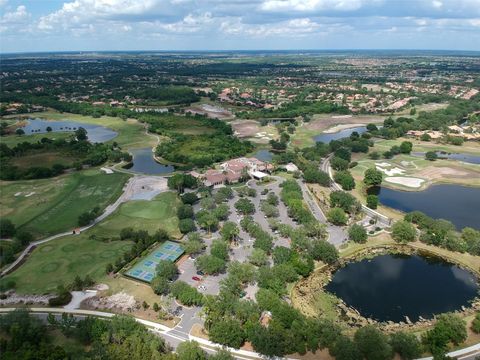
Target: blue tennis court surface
145, 268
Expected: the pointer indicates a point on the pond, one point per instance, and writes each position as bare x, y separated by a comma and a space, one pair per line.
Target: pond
143, 162
95, 133
456, 203
327, 137
263, 155
471, 159
391, 287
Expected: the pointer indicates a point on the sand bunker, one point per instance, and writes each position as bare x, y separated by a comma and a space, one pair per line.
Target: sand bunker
405, 181
383, 164
391, 172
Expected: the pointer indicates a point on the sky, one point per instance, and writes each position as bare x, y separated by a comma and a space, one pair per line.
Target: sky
104, 25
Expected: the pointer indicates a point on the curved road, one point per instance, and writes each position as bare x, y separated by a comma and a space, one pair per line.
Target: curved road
174, 336
108, 210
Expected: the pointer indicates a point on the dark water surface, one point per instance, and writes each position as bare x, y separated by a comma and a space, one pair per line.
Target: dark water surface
263, 155
326, 138
95, 133
456, 203
391, 287
144, 163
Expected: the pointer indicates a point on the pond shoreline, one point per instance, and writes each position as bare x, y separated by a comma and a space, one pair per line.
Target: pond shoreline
304, 292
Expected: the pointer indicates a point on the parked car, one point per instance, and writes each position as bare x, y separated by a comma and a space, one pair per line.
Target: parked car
196, 278
200, 273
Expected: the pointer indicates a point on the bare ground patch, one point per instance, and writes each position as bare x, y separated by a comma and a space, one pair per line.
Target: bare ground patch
435, 173
245, 128
322, 122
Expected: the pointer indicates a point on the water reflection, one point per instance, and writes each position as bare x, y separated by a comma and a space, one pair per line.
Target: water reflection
391, 287
96, 133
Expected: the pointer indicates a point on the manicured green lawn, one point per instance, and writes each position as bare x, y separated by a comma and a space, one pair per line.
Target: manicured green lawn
159, 213
60, 260
50, 206
12, 140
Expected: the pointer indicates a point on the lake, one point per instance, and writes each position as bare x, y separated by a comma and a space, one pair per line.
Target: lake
326, 137
390, 287
456, 203
143, 162
263, 155
95, 133
471, 159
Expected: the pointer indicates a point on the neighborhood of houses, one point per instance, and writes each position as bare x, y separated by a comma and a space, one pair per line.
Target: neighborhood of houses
467, 132
234, 170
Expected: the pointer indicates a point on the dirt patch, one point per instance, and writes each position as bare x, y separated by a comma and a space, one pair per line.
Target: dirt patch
245, 128
433, 173
120, 301
198, 331
14, 298
322, 122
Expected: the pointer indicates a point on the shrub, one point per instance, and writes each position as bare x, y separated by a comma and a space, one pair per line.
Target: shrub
372, 201
403, 231
372, 177
337, 216
431, 155
345, 179
186, 294
357, 233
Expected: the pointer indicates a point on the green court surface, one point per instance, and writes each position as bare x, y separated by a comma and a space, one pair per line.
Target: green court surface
144, 269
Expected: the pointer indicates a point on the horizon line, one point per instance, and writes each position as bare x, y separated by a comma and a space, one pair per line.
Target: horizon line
233, 50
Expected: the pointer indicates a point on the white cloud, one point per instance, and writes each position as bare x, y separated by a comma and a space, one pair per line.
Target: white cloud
19, 15
311, 5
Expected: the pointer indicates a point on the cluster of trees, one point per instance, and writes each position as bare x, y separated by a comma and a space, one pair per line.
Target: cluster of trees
342, 204
269, 206
170, 124
81, 150
263, 240
88, 217
21, 239
292, 196
142, 241
294, 109
121, 337
404, 148
215, 262
443, 233
202, 150
180, 182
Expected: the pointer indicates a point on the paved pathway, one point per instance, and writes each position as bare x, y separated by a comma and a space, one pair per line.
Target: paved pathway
177, 335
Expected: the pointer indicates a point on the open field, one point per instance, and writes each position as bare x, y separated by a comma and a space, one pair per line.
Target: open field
43, 158
304, 134
13, 140
253, 131
50, 206
59, 261
131, 133
149, 215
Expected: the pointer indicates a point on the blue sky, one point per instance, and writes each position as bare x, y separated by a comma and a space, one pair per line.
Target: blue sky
75, 25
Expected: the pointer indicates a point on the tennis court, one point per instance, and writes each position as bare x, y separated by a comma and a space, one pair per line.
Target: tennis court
144, 269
